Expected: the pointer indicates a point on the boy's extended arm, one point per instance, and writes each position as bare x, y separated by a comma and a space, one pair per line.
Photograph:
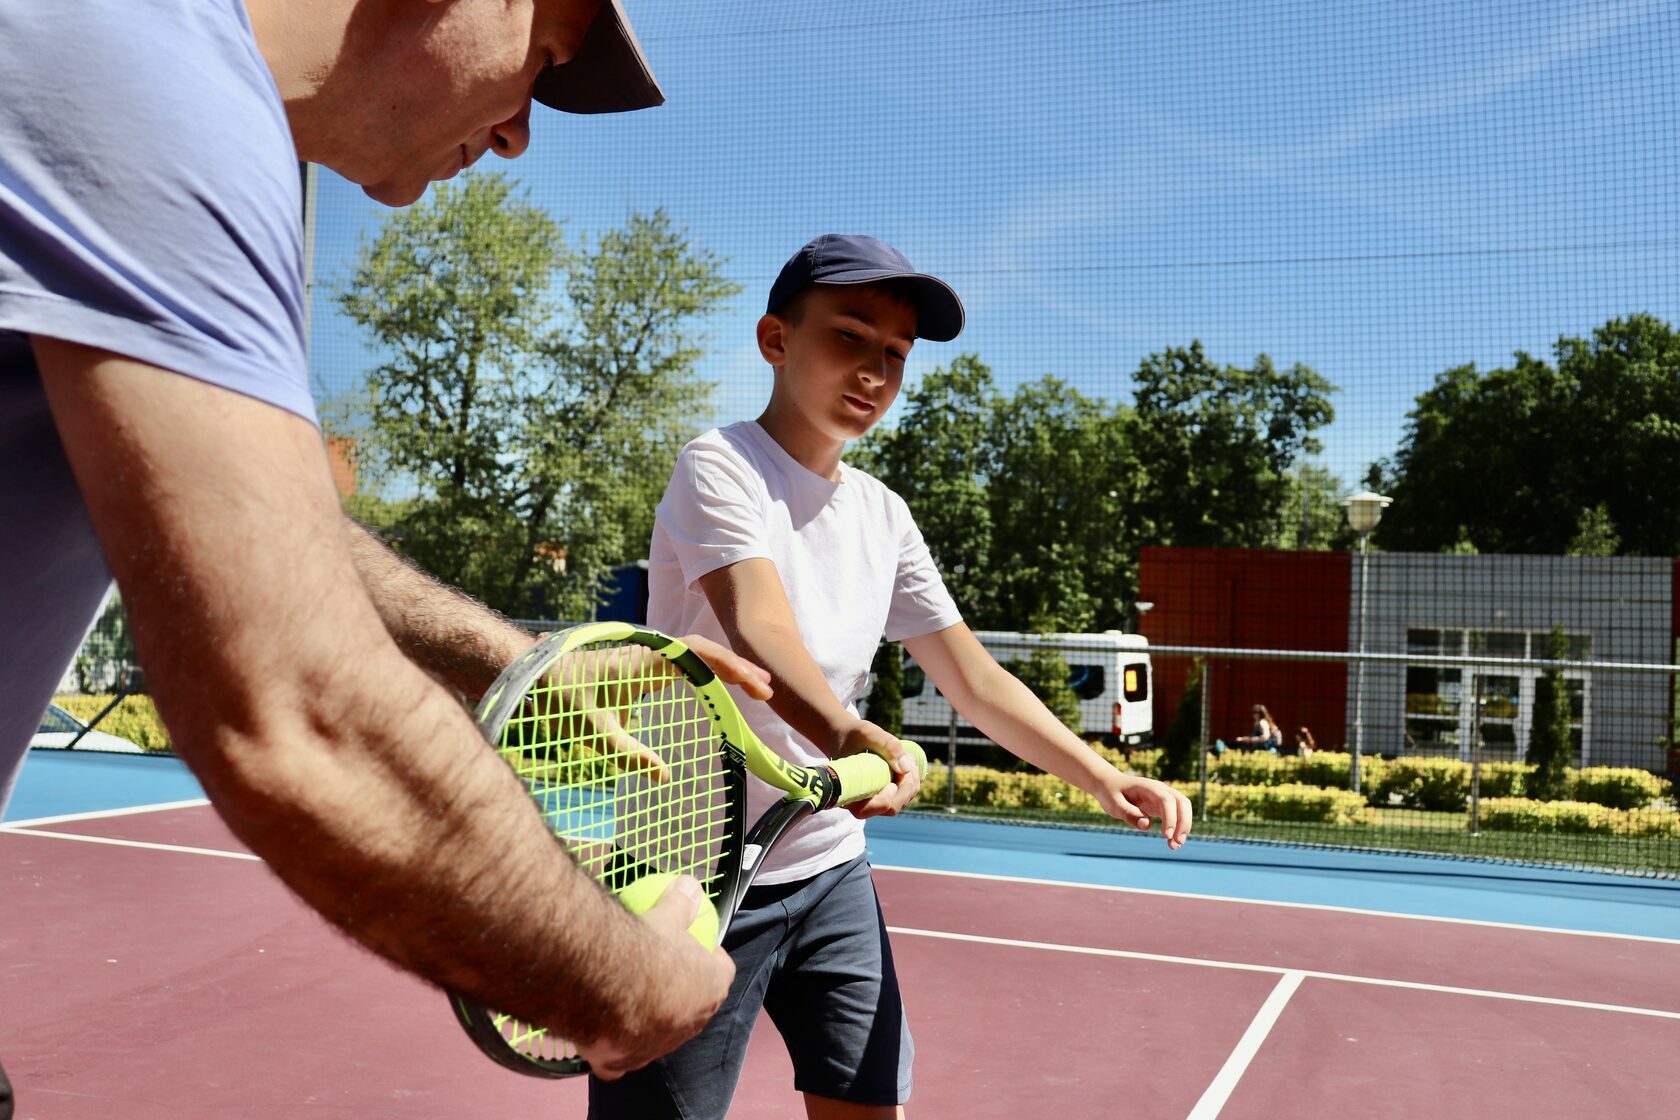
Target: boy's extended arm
752, 606
1006, 711
360, 780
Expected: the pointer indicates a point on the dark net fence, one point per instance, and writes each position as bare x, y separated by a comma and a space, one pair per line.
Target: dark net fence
1224, 267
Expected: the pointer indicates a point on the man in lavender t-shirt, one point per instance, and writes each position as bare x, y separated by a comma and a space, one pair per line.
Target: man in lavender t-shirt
156, 426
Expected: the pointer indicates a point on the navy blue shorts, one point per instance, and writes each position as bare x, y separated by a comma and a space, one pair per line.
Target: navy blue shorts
814, 955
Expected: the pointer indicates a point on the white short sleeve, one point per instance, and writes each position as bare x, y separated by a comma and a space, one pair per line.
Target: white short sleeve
713, 512
920, 602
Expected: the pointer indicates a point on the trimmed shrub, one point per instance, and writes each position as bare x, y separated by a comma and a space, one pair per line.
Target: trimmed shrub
1291, 802
1440, 785
1577, 818
135, 719
1620, 787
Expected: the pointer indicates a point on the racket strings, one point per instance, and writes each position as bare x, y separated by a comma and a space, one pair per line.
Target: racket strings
619, 752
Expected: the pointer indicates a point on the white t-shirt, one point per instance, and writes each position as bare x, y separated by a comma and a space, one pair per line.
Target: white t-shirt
853, 564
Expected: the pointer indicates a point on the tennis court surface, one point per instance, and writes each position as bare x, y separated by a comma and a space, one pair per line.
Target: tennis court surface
151, 968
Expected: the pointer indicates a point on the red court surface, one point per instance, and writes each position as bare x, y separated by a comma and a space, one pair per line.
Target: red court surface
143, 982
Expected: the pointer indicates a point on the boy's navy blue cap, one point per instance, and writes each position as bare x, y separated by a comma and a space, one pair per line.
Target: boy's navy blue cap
843, 258
608, 74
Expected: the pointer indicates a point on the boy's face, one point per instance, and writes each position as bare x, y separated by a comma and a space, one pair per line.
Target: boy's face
427, 88
842, 363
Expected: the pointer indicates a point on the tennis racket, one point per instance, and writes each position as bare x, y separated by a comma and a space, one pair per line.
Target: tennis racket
638, 759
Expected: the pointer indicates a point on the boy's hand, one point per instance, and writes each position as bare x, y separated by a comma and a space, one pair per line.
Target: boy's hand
859, 736
1134, 799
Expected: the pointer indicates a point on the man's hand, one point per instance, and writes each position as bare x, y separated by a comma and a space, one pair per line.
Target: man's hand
691, 984
1135, 800
859, 736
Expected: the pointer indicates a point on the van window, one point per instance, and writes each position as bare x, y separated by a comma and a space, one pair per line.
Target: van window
1136, 682
1087, 681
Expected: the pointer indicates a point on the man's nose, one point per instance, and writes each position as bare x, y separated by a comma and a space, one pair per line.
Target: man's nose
510, 138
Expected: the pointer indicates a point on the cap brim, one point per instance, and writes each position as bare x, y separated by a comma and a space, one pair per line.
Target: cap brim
608, 74
939, 313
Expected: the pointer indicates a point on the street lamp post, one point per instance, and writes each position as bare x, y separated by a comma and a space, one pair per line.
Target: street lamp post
1364, 511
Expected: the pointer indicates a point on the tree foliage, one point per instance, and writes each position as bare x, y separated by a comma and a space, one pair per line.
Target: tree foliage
1219, 443
1573, 455
1550, 746
1185, 737
1035, 502
531, 395
885, 706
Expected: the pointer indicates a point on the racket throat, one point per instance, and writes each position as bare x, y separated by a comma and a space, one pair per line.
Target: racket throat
769, 829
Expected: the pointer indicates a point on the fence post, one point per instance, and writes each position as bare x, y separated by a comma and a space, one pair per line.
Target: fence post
951, 765
1202, 743
1476, 762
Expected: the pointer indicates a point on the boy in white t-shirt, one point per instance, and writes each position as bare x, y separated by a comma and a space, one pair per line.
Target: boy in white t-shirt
766, 541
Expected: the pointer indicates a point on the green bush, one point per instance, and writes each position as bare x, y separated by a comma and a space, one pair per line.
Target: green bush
1577, 818
1440, 785
1504, 779
1292, 802
1619, 787
135, 719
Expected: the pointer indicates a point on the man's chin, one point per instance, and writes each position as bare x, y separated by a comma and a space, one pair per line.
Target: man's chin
396, 192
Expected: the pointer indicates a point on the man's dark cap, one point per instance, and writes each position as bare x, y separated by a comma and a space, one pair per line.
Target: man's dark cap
608, 74
843, 258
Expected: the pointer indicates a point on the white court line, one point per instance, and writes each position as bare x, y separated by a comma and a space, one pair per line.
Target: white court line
101, 814
115, 843
1219, 1089
1320, 906
1234, 966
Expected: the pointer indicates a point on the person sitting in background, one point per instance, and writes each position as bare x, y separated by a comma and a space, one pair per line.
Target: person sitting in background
1266, 736
1304, 744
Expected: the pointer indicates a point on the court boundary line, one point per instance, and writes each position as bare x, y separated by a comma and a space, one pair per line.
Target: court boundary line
116, 842
1224, 1083
1320, 906
101, 814
1306, 973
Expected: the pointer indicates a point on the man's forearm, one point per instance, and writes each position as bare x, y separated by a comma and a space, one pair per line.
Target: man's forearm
456, 639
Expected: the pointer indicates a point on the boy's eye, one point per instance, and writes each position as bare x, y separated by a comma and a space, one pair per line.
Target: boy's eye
897, 356
849, 336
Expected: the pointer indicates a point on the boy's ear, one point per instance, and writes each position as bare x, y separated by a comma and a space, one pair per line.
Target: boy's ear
772, 339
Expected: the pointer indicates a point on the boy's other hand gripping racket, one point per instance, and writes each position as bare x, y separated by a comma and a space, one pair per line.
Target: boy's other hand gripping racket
638, 759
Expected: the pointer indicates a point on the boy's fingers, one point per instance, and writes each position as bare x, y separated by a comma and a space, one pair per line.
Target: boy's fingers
1133, 813
731, 666
1169, 817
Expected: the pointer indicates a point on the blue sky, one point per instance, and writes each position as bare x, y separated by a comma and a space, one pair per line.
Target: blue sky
1378, 190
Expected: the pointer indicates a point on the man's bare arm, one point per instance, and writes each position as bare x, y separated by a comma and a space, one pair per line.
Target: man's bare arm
360, 780
452, 636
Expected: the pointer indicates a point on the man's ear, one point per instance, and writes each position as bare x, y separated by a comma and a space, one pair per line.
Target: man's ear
772, 339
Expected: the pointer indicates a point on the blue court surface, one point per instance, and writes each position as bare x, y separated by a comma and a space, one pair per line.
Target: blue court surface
57, 783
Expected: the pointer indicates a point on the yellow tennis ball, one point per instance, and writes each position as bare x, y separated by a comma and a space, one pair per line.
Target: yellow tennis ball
640, 896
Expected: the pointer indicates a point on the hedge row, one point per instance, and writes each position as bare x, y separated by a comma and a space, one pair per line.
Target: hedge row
1434, 784
1518, 814
982, 787
135, 719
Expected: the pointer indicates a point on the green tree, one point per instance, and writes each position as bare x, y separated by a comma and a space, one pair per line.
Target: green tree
1513, 457
1311, 516
1045, 672
1184, 737
1550, 746
1595, 534
885, 706
938, 457
1219, 442
1060, 492
531, 396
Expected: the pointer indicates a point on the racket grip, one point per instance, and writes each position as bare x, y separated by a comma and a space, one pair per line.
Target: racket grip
862, 776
